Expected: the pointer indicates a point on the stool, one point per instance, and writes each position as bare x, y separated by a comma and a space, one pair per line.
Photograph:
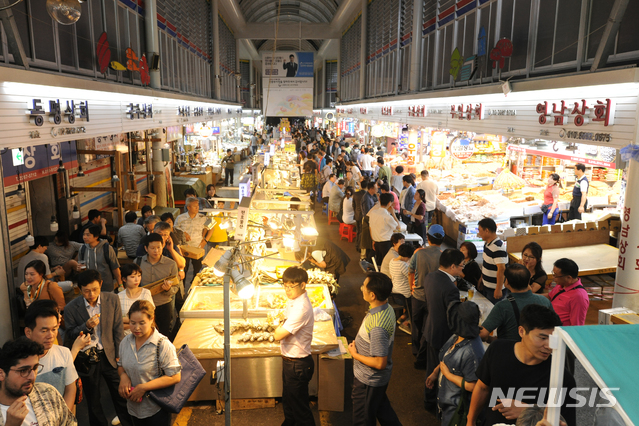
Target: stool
325, 208
332, 217
347, 231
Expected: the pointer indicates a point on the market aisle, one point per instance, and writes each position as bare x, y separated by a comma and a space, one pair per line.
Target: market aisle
406, 386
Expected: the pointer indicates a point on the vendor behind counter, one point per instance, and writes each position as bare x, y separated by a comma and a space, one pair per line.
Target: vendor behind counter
325, 255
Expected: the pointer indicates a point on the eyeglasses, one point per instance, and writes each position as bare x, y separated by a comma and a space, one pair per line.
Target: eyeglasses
529, 257
26, 371
290, 287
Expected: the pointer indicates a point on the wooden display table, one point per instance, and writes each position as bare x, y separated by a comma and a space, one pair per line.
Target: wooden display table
592, 260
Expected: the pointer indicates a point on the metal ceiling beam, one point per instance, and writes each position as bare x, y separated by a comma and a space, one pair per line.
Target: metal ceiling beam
262, 30
254, 12
607, 42
13, 36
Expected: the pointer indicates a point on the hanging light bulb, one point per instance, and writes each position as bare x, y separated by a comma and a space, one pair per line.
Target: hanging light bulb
151, 178
20, 192
29, 240
54, 224
61, 166
65, 12
115, 178
76, 213
80, 172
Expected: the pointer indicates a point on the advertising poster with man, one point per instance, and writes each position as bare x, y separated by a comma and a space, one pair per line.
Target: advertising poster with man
288, 83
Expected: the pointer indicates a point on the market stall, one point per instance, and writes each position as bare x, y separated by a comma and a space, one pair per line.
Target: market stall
599, 349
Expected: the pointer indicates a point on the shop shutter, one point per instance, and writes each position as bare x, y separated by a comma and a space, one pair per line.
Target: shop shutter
350, 61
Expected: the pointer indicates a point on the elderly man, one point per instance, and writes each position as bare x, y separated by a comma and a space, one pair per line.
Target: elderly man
326, 189
336, 196
192, 224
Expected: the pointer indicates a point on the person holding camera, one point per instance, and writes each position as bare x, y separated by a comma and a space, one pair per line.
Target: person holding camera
99, 315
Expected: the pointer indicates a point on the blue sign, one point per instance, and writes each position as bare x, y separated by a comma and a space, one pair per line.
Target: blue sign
306, 64
216, 130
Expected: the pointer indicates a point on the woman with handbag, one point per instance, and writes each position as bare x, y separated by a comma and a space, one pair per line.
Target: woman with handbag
550, 208
148, 361
417, 215
459, 359
36, 286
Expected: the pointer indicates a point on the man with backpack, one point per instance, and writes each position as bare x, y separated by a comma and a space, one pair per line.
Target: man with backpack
505, 314
98, 254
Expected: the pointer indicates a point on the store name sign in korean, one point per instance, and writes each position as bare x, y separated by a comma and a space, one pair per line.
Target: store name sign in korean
468, 112
462, 149
56, 112
598, 111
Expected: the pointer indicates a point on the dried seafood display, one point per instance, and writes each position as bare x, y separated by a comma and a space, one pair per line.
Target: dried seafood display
252, 331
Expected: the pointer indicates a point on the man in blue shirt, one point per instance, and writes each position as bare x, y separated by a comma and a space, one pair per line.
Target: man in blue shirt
372, 353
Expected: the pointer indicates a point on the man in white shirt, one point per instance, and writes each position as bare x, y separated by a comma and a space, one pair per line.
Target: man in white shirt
295, 337
41, 325
431, 190
192, 224
365, 162
383, 223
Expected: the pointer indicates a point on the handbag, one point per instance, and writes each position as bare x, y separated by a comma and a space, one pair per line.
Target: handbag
461, 413
173, 398
545, 208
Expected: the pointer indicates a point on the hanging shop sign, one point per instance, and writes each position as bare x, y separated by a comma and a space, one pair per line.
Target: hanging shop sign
413, 142
417, 111
50, 114
462, 149
387, 110
467, 112
34, 162
245, 189
363, 110
597, 162
602, 111
438, 145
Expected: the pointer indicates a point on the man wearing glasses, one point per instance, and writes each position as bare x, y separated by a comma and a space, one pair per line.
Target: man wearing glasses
22, 400
569, 298
295, 336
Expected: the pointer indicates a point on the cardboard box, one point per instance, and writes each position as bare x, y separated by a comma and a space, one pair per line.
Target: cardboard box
580, 226
605, 314
533, 230
111, 216
131, 196
132, 206
192, 252
615, 225
568, 227
149, 200
603, 225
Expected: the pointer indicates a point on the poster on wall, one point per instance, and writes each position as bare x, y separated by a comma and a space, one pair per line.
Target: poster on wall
35, 162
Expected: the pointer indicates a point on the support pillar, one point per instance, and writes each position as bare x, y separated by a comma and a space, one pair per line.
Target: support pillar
362, 51
152, 40
238, 81
216, 49
339, 71
159, 181
415, 54
251, 85
627, 278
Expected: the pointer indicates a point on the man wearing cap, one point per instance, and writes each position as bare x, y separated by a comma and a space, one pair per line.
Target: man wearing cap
423, 262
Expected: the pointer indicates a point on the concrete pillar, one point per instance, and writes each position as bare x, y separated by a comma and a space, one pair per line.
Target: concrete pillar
415, 54
362, 51
8, 316
627, 281
238, 81
339, 70
152, 40
216, 49
251, 84
159, 181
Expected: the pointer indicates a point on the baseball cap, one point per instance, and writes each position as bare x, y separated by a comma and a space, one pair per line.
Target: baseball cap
436, 231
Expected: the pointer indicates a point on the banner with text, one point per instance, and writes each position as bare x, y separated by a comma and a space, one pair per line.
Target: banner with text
288, 97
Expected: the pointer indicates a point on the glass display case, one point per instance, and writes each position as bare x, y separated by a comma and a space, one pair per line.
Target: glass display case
208, 302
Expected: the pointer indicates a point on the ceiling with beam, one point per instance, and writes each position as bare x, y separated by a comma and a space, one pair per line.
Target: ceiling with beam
298, 11
305, 11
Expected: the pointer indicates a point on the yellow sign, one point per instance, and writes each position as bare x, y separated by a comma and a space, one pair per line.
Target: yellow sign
438, 145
